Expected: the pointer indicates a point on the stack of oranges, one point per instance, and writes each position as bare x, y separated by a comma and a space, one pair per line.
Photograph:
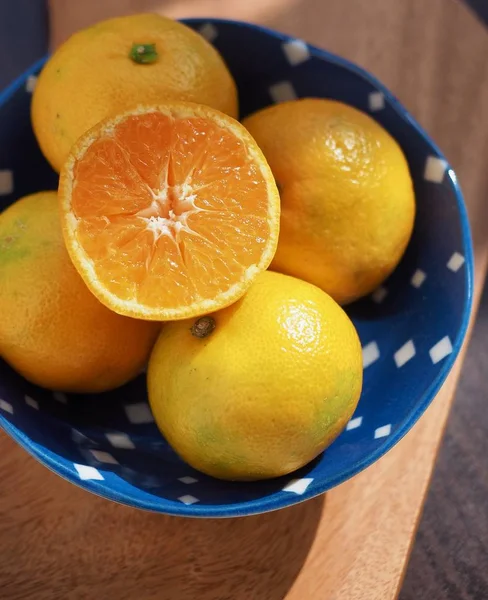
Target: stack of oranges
157, 244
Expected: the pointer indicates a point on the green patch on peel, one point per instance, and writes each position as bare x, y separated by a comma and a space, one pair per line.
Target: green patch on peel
332, 414
143, 54
207, 435
12, 246
11, 251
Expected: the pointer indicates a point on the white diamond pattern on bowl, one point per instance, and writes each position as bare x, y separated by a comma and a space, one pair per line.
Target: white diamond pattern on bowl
30, 84
282, 92
85, 472
379, 295
382, 431
31, 402
354, 423
440, 350
296, 52
80, 438
6, 182
120, 440
371, 353
139, 413
60, 397
104, 457
188, 480
298, 486
435, 169
404, 354
376, 101
455, 262
418, 278
209, 32
6, 406
188, 499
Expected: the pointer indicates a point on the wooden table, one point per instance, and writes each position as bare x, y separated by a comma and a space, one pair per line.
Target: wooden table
57, 541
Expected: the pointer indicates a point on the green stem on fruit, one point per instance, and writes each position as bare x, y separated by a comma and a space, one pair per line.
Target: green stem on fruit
203, 327
143, 54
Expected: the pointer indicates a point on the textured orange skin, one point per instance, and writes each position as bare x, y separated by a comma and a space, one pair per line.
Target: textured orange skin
267, 391
91, 77
347, 199
53, 331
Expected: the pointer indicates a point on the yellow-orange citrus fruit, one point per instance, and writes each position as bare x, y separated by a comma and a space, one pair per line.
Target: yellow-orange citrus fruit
117, 64
169, 211
347, 198
260, 388
53, 331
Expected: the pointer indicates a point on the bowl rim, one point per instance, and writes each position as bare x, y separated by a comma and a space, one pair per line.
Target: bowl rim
271, 502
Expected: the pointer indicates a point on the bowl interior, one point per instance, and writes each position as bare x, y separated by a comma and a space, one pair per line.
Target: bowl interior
411, 328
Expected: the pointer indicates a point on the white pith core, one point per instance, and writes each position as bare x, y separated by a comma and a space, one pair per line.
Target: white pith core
169, 212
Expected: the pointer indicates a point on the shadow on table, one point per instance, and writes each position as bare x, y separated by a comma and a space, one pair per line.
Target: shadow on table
256, 557
104, 550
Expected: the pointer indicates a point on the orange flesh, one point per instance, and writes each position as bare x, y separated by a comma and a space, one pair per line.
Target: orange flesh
170, 210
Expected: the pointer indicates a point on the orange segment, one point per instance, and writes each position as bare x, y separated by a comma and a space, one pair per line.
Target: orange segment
169, 212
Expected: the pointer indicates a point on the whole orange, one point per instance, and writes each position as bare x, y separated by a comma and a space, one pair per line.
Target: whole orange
117, 64
53, 331
260, 388
347, 199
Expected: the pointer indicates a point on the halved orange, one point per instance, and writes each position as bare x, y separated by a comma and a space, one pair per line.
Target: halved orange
169, 211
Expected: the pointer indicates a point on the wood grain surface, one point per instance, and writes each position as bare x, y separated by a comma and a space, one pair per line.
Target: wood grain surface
58, 541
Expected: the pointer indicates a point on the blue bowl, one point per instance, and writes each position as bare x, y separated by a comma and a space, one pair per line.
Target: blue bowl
411, 328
